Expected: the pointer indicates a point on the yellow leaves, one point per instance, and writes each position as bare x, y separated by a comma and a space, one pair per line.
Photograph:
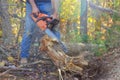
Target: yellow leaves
19, 38
24, 0
91, 20
103, 38
69, 8
72, 7
69, 14
103, 30
78, 27
15, 30
62, 20
2, 63
0, 33
17, 13
10, 58
117, 22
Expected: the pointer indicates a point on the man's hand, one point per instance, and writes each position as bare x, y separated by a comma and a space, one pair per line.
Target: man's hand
55, 5
35, 10
55, 16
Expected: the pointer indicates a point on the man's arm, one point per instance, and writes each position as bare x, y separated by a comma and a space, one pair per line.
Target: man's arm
35, 10
55, 5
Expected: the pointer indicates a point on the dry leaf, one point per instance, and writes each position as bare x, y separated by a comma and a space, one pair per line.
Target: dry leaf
10, 58
2, 63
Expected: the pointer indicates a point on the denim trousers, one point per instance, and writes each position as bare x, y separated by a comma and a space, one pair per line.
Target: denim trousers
30, 25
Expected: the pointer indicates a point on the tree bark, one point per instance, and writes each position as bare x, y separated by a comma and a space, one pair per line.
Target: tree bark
60, 59
75, 49
102, 9
6, 25
83, 20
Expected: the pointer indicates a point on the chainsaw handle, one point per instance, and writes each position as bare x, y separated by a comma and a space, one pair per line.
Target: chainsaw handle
34, 15
44, 21
44, 18
37, 18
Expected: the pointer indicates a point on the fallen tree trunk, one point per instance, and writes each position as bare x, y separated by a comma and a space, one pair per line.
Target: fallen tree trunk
74, 49
60, 59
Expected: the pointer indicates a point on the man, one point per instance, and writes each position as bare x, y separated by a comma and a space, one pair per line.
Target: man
35, 6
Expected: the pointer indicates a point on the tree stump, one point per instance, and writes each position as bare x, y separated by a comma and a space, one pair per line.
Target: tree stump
59, 58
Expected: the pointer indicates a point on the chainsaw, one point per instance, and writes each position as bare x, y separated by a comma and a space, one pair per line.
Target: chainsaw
48, 25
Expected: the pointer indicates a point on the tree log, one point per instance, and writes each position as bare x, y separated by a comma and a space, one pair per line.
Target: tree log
60, 59
74, 49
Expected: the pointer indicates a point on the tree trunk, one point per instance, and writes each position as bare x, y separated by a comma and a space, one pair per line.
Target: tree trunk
6, 25
75, 49
83, 20
60, 59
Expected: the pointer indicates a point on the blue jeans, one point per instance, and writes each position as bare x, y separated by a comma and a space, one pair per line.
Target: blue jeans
30, 25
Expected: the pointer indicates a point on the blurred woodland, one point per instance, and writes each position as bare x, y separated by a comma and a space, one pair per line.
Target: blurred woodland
85, 25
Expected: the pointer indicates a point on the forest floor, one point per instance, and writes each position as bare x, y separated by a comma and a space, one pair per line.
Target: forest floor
111, 63
106, 67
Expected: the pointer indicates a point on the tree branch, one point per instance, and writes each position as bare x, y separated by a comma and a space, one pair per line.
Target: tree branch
7, 71
117, 33
15, 68
33, 63
100, 8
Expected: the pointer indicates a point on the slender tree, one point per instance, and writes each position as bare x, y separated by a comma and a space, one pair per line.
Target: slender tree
5, 22
83, 20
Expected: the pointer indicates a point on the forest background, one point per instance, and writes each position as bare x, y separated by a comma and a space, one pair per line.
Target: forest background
92, 21
91, 25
